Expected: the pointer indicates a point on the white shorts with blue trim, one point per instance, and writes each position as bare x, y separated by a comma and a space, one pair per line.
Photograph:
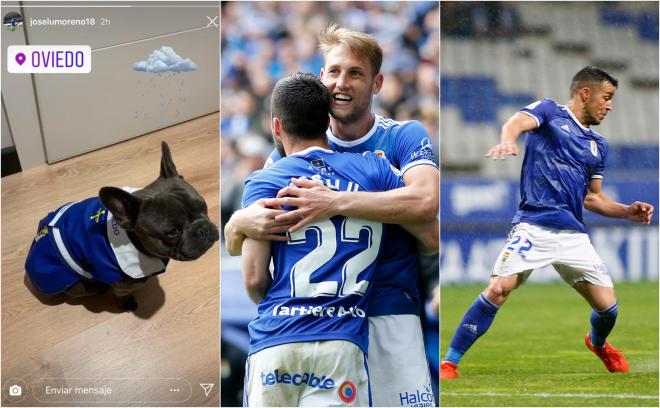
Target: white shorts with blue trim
398, 367
570, 252
331, 373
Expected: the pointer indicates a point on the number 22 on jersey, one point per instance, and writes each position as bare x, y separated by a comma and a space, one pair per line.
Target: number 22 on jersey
326, 239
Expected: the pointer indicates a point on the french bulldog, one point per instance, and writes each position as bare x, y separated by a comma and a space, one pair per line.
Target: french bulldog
120, 238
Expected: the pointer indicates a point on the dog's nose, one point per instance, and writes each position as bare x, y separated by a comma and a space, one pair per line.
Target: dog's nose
208, 232
203, 232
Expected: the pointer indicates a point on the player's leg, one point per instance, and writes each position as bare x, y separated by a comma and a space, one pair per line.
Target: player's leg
604, 310
477, 319
599, 297
603, 318
582, 268
345, 379
398, 367
528, 247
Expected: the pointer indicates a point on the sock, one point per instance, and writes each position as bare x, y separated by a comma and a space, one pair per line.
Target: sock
476, 321
453, 355
602, 323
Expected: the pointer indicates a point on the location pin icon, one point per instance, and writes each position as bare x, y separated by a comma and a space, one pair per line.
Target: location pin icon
20, 58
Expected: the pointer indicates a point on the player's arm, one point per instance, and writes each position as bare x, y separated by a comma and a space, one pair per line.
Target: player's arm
416, 202
255, 221
427, 235
256, 259
511, 130
597, 201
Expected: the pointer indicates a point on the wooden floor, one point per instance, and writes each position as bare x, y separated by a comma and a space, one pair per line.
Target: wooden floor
174, 332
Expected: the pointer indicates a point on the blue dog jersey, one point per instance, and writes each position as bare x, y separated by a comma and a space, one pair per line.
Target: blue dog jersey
81, 241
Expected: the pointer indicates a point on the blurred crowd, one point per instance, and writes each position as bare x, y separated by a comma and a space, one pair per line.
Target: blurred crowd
262, 42
479, 19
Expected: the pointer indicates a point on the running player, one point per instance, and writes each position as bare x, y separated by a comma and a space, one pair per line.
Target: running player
562, 171
398, 366
317, 298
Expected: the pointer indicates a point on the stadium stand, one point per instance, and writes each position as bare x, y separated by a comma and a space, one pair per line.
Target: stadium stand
497, 57
488, 74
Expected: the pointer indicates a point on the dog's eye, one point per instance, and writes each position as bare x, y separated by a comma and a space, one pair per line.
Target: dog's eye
173, 233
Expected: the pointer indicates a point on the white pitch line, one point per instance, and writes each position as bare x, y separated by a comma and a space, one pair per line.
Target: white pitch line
547, 395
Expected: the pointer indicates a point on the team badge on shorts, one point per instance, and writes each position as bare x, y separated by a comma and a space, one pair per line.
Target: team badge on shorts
594, 148
347, 392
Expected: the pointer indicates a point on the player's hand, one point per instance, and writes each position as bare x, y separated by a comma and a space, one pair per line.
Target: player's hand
500, 151
258, 221
640, 212
313, 201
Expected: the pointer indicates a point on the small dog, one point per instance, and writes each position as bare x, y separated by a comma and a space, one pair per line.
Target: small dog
120, 238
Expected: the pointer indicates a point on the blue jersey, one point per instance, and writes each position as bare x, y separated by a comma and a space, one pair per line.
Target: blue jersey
82, 241
561, 158
322, 275
405, 145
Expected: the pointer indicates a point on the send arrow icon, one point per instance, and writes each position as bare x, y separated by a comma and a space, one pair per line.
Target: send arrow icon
207, 388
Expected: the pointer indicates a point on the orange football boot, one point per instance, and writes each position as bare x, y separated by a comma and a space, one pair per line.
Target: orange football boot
448, 370
611, 357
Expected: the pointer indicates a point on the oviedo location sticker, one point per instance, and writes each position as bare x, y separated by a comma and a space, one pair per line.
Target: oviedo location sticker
49, 59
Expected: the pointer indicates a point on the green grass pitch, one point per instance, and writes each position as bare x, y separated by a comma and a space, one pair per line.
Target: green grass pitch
534, 353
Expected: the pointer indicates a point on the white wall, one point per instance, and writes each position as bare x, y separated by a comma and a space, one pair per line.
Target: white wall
84, 112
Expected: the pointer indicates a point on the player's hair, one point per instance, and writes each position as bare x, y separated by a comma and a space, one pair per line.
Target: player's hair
590, 76
302, 103
360, 44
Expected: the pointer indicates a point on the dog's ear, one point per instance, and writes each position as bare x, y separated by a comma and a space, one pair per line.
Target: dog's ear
123, 205
167, 167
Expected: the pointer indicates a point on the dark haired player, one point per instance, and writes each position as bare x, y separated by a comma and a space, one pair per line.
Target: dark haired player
562, 171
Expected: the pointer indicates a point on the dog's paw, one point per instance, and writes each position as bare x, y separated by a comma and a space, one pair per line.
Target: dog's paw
128, 303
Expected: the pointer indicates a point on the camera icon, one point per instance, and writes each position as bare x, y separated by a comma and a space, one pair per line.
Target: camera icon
15, 391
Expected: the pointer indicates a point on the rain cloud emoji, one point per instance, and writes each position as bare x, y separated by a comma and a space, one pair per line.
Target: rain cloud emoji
163, 60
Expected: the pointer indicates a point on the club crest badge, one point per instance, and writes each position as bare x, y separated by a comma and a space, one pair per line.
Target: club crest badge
594, 148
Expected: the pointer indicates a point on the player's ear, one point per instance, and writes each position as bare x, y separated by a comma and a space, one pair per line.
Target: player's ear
276, 126
585, 93
321, 74
378, 83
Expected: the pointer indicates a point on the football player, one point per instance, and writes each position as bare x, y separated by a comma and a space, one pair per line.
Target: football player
562, 171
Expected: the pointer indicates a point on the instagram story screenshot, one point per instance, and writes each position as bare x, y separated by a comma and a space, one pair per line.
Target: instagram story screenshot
110, 203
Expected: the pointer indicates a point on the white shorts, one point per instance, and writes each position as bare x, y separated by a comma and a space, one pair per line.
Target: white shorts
322, 374
398, 367
570, 252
